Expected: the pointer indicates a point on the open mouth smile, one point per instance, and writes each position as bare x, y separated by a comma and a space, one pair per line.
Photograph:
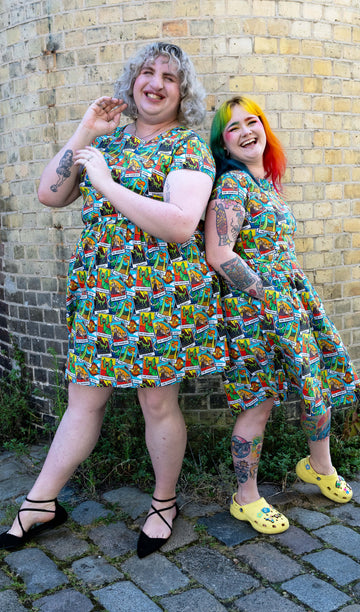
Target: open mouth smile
248, 142
153, 96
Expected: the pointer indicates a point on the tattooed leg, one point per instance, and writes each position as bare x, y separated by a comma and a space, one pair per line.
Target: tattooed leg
63, 170
317, 430
246, 445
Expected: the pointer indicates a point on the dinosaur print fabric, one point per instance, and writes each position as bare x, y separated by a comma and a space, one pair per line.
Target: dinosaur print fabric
140, 311
285, 343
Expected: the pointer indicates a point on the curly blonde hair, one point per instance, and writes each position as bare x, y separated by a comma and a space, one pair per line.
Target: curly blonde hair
192, 95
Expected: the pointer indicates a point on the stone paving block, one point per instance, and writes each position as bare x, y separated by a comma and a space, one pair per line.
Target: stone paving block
355, 485
195, 509
63, 543
339, 567
266, 599
298, 540
349, 514
317, 594
64, 601
95, 571
351, 608
114, 539
89, 511
196, 599
13, 487
311, 519
142, 572
9, 601
215, 572
124, 597
345, 539
69, 495
131, 500
9, 469
183, 534
313, 495
268, 561
36, 569
227, 529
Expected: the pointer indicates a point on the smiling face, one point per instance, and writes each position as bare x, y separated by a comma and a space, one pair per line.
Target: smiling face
157, 91
245, 139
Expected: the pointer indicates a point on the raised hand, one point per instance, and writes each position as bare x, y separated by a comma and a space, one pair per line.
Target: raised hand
103, 116
96, 166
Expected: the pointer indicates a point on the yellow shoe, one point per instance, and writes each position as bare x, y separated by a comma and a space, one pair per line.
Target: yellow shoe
332, 486
261, 516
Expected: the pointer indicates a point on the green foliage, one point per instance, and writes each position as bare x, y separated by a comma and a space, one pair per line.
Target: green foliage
16, 415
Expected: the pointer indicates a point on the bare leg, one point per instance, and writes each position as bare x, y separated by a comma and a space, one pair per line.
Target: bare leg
165, 434
74, 440
246, 444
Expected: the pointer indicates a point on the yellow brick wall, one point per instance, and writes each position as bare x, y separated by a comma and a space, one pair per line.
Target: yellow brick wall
298, 59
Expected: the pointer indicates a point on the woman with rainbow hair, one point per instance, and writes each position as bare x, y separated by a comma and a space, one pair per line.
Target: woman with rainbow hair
280, 338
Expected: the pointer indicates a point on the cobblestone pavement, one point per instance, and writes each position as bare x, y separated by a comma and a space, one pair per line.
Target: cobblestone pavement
212, 562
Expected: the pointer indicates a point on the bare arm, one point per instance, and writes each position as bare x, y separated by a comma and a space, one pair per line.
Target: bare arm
186, 193
59, 182
224, 219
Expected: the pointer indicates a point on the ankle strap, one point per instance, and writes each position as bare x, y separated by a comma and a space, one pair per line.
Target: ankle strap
44, 501
164, 500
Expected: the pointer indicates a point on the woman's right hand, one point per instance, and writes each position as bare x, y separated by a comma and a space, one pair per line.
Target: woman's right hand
103, 116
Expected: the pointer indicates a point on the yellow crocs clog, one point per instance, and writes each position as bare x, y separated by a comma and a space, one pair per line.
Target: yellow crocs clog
261, 516
332, 486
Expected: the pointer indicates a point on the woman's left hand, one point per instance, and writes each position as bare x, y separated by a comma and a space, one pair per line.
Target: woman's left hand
96, 166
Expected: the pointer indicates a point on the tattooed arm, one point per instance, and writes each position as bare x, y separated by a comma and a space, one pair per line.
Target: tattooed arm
59, 183
224, 219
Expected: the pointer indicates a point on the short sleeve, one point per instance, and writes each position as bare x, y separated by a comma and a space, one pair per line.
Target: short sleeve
231, 186
192, 153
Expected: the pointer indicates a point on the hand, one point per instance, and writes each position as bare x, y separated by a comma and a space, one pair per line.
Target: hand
103, 116
96, 166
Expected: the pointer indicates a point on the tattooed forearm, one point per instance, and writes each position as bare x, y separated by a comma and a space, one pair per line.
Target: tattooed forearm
243, 277
221, 222
63, 170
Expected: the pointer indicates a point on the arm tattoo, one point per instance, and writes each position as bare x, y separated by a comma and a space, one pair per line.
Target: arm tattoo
63, 170
221, 223
243, 278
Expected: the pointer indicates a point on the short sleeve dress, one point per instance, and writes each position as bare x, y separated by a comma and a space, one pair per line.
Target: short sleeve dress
141, 312
286, 343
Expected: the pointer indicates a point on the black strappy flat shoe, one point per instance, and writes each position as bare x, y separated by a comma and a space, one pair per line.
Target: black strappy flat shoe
147, 545
10, 541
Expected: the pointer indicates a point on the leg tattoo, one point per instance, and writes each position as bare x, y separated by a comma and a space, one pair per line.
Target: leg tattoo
246, 457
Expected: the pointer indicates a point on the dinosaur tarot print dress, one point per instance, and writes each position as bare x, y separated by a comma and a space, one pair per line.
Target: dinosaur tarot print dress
286, 343
140, 311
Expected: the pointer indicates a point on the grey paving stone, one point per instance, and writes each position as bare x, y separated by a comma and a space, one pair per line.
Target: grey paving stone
95, 571
266, 599
183, 533
195, 509
64, 601
131, 500
313, 495
63, 543
268, 561
114, 539
227, 529
196, 599
142, 572
69, 495
4, 579
124, 597
345, 539
89, 511
298, 540
317, 594
350, 514
36, 569
308, 518
215, 572
11, 488
339, 567
355, 485
9, 601
9, 469
351, 608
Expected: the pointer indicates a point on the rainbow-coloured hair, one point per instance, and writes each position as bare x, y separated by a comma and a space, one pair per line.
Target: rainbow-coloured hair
274, 156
